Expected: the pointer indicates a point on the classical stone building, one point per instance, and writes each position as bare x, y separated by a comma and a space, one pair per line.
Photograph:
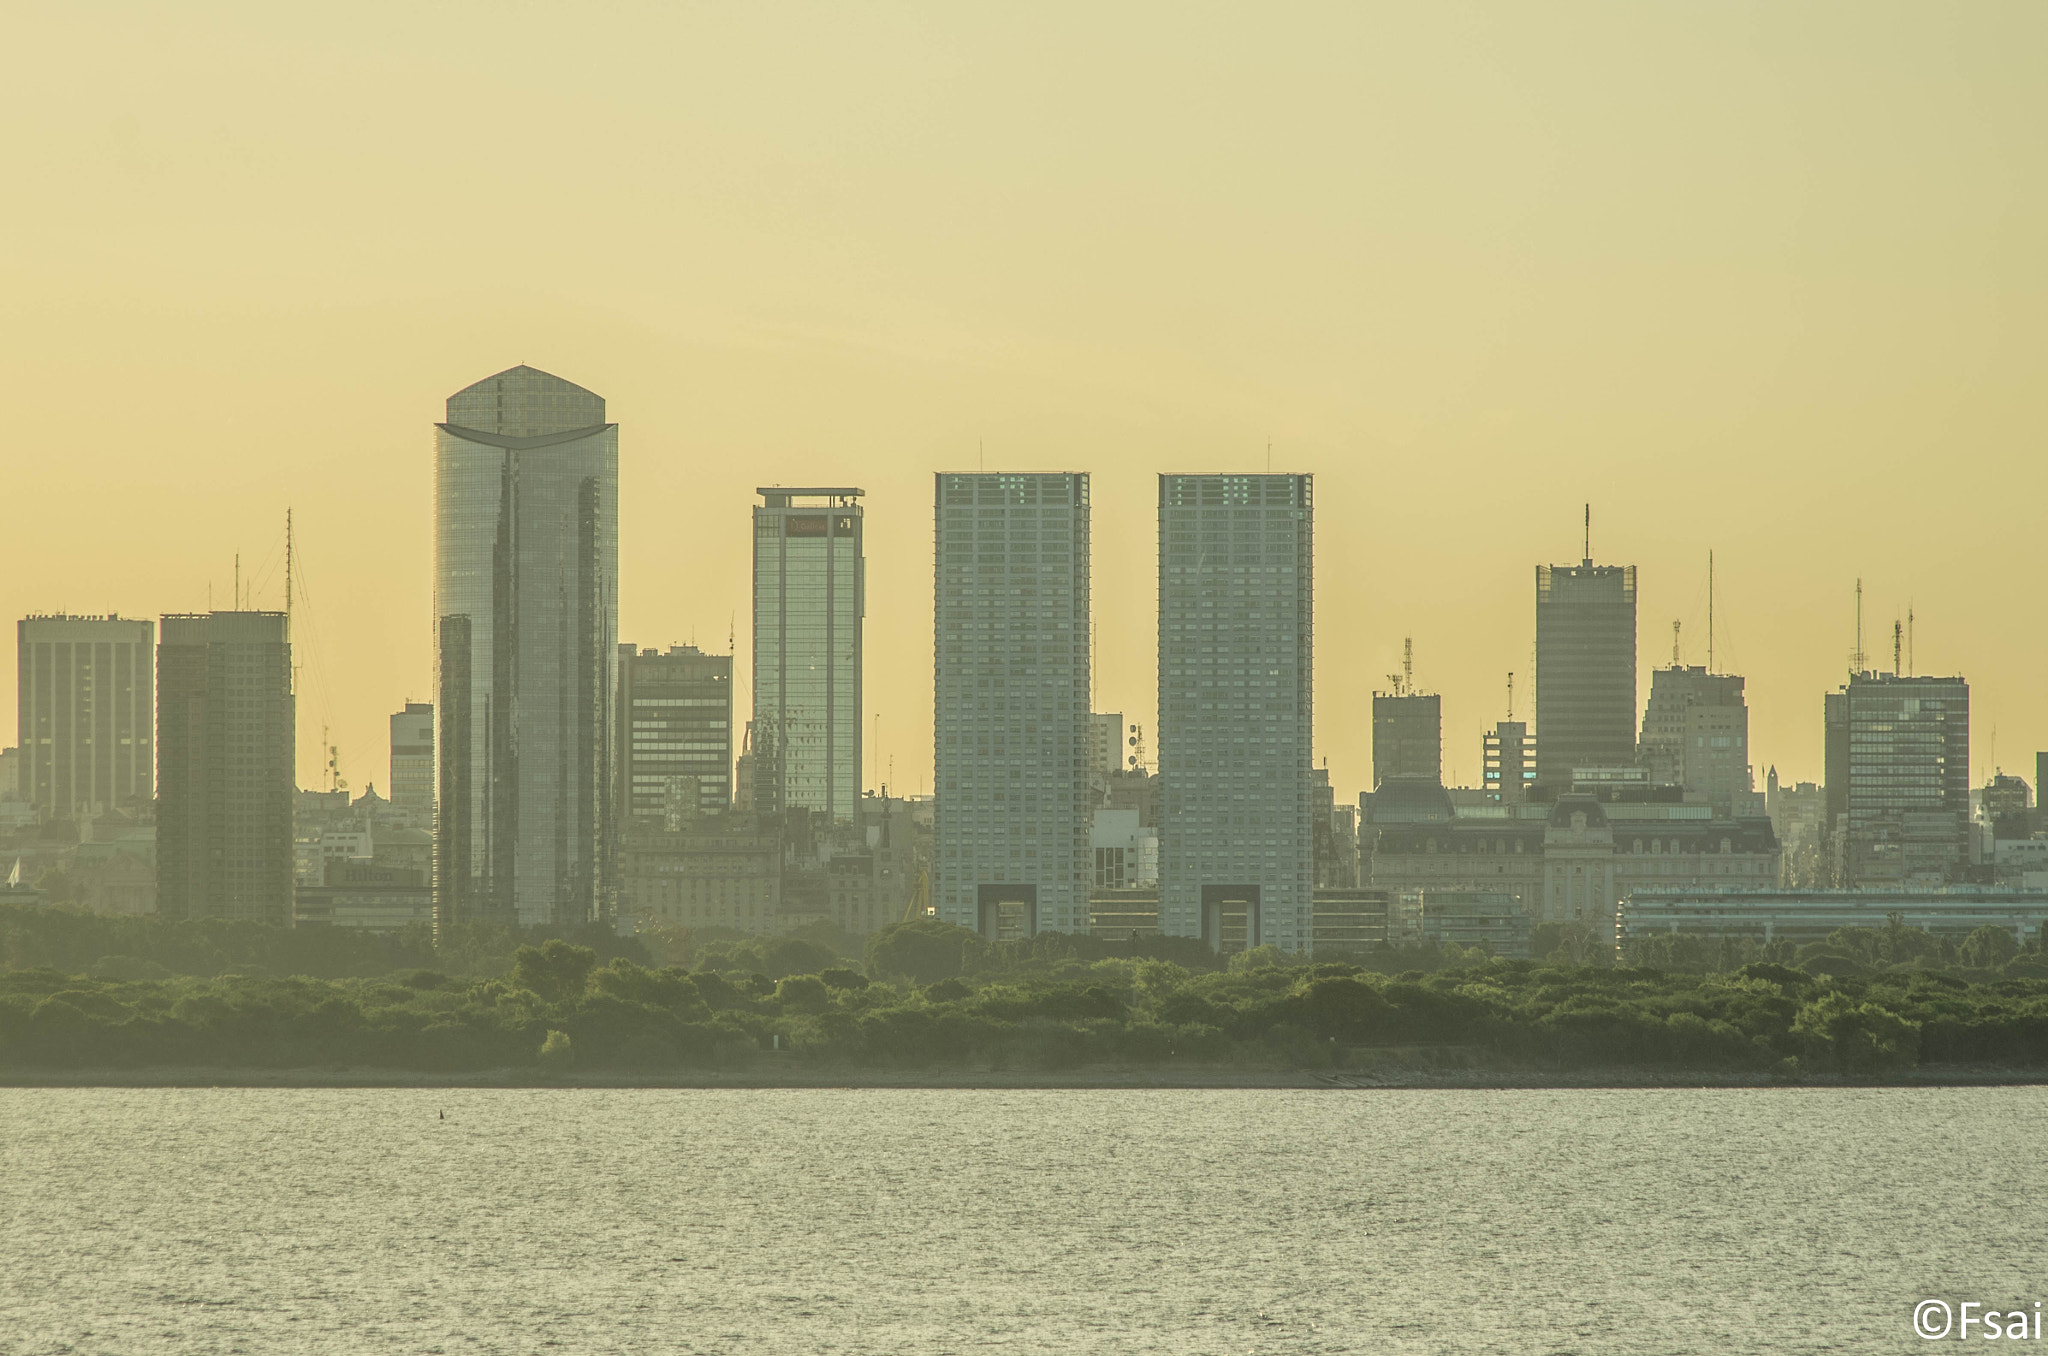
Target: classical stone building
1569, 861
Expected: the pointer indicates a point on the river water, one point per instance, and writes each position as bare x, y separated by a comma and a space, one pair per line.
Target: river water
908, 1221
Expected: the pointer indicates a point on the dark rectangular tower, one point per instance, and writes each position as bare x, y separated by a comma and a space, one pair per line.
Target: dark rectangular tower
225, 741
1585, 670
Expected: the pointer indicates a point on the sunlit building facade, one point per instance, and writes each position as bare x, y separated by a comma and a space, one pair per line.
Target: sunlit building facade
809, 598
1236, 709
1011, 726
87, 704
526, 625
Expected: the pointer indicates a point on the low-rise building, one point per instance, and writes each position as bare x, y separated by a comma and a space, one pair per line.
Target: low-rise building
1489, 920
717, 871
1571, 861
359, 894
1810, 915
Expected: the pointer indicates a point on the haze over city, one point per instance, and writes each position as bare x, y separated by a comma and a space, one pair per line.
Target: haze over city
1758, 280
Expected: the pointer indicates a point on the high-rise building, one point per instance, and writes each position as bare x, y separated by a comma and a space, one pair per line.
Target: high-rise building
675, 734
1407, 736
1011, 703
526, 483
87, 711
1236, 646
810, 594
1898, 769
1107, 750
1696, 735
1507, 758
226, 767
412, 759
1585, 670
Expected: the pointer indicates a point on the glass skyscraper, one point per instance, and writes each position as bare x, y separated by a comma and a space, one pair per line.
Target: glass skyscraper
810, 593
1236, 709
526, 483
1010, 685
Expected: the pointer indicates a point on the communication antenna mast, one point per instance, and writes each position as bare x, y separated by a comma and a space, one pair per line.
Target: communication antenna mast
1710, 612
1511, 694
1675, 661
287, 571
1408, 664
1856, 658
238, 582
1898, 647
1589, 534
1909, 637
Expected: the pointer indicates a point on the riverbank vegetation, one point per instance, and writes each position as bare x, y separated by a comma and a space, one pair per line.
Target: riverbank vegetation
926, 995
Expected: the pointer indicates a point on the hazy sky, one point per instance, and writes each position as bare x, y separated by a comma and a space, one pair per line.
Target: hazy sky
1766, 279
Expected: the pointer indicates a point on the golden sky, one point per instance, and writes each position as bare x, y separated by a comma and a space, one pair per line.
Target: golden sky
1761, 278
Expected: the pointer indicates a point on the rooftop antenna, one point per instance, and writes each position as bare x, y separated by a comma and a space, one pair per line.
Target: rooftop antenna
287, 569
238, 581
1589, 534
1511, 694
1909, 637
1408, 664
1710, 612
1898, 647
1856, 658
981, 454
1675, 661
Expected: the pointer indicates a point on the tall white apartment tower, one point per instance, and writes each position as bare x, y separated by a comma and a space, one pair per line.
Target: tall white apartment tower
1236, 649
1011, 694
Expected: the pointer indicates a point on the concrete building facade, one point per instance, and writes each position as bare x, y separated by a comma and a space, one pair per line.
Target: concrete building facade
227, 767
1011, 728
1585, 669
1236, 709
1898, 788
86, 709
1696, 735
412, 761
675, 734
1407, 736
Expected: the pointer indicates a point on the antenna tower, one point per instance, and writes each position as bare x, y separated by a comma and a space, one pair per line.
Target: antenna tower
1511, 694
1856, 658
1710, 612
1898, 647
1408, 664
1589, 534
1675, 660
1909, 638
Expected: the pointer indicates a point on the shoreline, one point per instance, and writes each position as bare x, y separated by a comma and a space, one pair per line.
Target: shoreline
1104, 1079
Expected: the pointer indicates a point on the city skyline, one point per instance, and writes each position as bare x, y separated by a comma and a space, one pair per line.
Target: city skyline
1468, 333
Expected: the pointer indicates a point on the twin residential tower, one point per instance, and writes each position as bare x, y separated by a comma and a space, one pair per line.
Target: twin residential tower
1011, 669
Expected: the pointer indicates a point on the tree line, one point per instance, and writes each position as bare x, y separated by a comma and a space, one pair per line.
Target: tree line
928, 995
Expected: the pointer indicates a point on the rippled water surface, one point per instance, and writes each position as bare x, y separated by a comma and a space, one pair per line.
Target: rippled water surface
901, 1221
